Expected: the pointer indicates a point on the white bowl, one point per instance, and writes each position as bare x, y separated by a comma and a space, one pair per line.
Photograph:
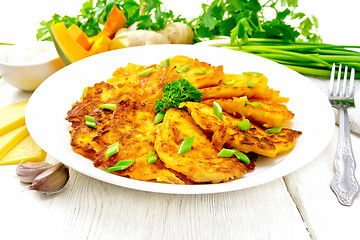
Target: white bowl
26, 66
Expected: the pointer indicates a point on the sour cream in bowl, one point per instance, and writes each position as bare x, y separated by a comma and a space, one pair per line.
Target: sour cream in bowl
26, 66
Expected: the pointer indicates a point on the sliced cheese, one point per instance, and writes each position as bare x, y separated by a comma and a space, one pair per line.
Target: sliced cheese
26, 151
10, 139
12, 116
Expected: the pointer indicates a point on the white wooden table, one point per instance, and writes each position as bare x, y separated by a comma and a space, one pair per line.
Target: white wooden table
298, 206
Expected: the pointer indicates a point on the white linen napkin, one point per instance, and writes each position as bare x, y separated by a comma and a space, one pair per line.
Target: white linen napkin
354, 113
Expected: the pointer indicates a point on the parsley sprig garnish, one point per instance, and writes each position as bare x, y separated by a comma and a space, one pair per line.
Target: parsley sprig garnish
176, 92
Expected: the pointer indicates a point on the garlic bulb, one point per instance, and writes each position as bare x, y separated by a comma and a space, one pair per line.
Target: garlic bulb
28, 171
178, 33
52, 180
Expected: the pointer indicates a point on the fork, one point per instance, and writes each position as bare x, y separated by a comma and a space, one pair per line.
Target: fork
341, 96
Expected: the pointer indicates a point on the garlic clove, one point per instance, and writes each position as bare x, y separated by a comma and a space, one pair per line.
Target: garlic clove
51, 180
28, 171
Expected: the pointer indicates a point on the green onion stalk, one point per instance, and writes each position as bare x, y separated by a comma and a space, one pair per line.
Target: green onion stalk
304, 57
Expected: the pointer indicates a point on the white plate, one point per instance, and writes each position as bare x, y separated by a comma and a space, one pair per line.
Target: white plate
48, 106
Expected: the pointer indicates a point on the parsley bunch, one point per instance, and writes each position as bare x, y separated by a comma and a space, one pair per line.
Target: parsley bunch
244, 19
176, 92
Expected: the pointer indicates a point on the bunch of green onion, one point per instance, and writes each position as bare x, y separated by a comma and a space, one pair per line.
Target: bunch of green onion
304, 57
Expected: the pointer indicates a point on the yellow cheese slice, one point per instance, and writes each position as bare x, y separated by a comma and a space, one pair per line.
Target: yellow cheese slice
12, 116
26, 151
10, 139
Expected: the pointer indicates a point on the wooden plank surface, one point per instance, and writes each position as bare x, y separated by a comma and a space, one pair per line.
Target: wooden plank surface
310, 189
91, 209
299, 206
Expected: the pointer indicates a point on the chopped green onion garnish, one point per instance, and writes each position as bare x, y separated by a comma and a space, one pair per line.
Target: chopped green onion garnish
166, 63
274, 130
229, 83
89, 118
244, 98
152, 157
121, 165
250, 84
186, 145
112, 149
91, 124
244, 125
108, 106
146, 72
242, 157
85, 90
159, 117
254, 104
90, 121
253, 73
182, 69
226, 152
200, 71
185, 68
218, 110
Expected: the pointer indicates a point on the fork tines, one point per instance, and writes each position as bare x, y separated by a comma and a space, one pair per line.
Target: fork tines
344, 91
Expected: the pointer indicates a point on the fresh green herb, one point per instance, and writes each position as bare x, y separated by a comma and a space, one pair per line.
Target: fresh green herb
200, 71
274, 130
146, 72
230, 152
254, 104
159, 117
253, 73
182, 69
166, 63
244, 98
176, 92
218, 110
244, 125
121, 165
152, 157
185, 68
108, 106
245, 19
154, 16
226, 152
248, 30
304, 57
186, 145
85, 90
241, 156
112, 149
90, 121
250, 85
229, 83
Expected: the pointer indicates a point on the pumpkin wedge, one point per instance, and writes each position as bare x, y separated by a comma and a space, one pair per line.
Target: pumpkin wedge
68, 49
79, 36
102, 44
115, 21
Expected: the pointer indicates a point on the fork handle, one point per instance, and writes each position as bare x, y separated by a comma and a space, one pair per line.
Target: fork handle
344, 183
